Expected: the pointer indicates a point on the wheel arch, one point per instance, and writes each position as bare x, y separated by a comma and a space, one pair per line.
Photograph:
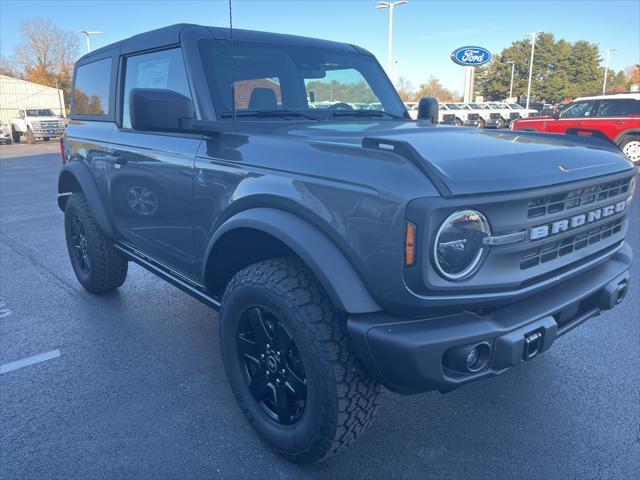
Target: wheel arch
633, 132
75, 177
279, 233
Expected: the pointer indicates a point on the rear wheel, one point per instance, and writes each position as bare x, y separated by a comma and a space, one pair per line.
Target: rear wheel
630, 146
290, 363
31, 137
98, 266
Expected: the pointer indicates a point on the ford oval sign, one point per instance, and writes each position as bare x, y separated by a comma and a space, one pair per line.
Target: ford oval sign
471, 56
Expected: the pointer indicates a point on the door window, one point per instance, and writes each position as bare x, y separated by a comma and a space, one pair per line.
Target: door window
91, 90
578, 110
164, 69
622, 107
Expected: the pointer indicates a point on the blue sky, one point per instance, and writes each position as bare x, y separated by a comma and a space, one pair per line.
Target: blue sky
425, 31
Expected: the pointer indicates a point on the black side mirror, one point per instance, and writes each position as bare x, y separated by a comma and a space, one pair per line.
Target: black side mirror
428, 109
156, 109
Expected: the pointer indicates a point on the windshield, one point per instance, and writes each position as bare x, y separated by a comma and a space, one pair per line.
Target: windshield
516, 106
280, 81
40, 112
453, 106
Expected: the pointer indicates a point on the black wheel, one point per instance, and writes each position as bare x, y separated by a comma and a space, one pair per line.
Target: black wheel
15, 136
500, 124
630, 146
31, 138
290, 363
98, 266
481, 123
458, 122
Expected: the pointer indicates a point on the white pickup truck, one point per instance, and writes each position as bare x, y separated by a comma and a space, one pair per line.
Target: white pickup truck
36, 123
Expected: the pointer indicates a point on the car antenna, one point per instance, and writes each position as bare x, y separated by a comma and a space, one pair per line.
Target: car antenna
233, 88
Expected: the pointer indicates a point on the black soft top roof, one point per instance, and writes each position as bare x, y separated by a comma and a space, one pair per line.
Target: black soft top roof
171, 35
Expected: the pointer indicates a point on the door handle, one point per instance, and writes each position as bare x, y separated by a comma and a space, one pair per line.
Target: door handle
619, 122
117, 160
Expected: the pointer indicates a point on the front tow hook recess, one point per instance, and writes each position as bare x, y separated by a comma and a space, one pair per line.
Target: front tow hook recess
532, 344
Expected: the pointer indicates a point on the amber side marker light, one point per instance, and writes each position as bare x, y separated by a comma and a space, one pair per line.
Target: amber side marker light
410, 244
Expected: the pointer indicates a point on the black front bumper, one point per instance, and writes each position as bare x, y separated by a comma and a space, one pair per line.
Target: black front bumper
419, 355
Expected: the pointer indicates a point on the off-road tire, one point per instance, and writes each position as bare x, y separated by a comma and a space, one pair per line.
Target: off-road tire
31, 138
15, 135
341, 396
108, 267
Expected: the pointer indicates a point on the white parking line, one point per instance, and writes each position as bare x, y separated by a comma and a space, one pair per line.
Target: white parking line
25, 362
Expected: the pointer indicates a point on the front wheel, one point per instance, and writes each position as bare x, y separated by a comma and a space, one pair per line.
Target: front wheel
290, 362
31, 137
481, 123
458, 122
630, 146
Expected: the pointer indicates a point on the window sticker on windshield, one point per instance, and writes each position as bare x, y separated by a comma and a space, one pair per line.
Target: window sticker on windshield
153, 74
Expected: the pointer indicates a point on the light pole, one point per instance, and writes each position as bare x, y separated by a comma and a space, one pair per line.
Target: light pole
513, 66
534, 35
88, 34
606, 68
390, 6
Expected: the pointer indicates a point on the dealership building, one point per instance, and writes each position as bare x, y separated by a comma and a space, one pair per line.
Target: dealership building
16, 94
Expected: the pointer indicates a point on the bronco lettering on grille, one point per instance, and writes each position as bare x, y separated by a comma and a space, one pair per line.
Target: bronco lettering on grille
559, 226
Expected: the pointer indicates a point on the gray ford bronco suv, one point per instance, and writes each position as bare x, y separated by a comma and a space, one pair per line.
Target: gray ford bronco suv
281, 181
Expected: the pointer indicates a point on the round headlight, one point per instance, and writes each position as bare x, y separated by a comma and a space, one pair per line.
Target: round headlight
458, 248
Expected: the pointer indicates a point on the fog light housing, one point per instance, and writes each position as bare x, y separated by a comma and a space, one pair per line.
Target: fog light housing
468, 358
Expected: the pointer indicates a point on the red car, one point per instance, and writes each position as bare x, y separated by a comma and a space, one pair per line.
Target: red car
615, 117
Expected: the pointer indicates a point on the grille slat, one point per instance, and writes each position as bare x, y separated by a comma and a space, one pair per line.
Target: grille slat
541, 206
556, 249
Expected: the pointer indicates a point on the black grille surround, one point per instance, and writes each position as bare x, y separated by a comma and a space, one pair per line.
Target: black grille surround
510, 268
448, 118
473, 116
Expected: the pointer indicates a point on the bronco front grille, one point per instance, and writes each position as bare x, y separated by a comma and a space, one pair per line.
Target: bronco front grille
549, 204
560, 248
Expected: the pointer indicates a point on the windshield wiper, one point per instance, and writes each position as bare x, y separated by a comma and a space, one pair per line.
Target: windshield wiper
269, 113
365, 113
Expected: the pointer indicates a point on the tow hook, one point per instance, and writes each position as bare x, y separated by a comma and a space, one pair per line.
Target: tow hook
532, 344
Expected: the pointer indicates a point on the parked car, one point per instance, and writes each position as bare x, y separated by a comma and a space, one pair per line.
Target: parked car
5, 134
518, 111
451, 114
36, 123
615, 118
481, 114
499, 115
344, 249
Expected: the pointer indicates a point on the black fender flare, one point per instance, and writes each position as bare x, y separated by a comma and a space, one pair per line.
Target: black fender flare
624, 133
336, 274
76, 173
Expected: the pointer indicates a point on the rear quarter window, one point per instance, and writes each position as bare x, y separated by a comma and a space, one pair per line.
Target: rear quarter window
619, 107
91, 88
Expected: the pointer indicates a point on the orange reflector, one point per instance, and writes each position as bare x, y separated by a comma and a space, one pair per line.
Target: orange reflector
410, 244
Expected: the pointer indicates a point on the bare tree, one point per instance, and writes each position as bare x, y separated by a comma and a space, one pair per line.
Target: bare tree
46, 54
405, 89
6, 68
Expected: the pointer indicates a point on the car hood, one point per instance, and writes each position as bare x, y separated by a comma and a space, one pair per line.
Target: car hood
471, 161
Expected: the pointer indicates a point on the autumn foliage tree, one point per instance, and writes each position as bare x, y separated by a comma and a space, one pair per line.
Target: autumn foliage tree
433, 88
46, 54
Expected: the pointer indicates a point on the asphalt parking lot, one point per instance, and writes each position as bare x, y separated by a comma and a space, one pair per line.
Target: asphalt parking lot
133, 386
